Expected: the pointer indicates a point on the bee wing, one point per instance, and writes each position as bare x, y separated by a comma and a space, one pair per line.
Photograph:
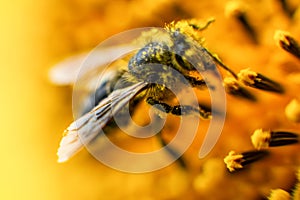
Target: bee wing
67, 71
86, 128
92, 88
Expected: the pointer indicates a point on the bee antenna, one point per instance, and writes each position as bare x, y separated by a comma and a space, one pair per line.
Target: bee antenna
201, 28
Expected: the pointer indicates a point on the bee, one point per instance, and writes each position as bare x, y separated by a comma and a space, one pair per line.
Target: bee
154, 74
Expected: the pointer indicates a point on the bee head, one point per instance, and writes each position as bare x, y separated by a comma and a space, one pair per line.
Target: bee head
186, 39
190, 29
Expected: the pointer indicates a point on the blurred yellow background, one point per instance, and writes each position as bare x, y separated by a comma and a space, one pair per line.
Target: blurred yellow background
28, 167
34, 112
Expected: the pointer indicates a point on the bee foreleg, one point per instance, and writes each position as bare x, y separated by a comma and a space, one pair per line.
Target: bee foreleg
204, 111
199, 83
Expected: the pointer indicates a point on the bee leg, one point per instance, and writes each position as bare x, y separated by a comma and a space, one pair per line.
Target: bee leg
171, 151
199, 83
188, 110
204, 111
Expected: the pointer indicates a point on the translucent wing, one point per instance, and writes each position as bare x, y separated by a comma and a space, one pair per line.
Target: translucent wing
93, 87
66, 72
86, 128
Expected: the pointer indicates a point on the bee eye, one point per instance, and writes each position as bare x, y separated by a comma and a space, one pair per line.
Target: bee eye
183, 63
